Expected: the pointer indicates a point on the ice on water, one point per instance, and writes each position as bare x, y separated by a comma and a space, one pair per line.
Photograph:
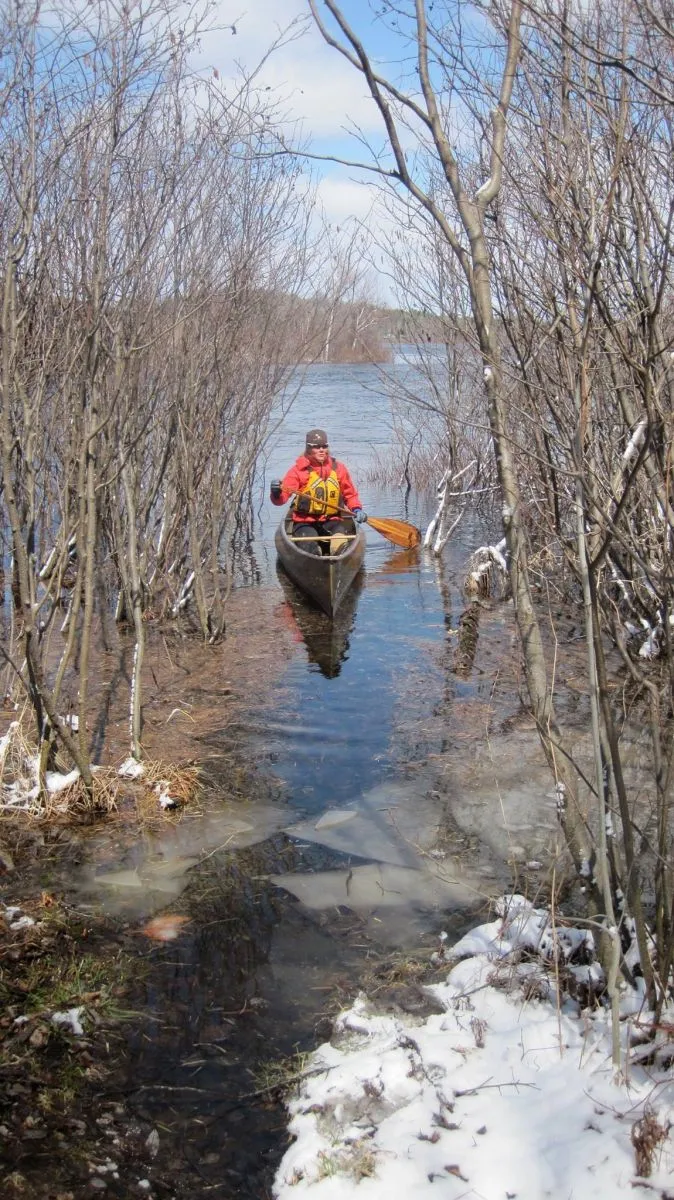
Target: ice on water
375, 886
392, 823
160, 871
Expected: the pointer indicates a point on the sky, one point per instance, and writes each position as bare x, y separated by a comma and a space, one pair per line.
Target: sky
501, 1093
326, 100
319, 91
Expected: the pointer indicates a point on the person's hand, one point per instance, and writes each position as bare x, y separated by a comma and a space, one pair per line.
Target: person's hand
275, 489
359, 515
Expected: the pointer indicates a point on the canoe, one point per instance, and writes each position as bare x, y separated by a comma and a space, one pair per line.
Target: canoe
324, 578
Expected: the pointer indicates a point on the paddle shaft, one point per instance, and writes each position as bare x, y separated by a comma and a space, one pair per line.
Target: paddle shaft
401, 533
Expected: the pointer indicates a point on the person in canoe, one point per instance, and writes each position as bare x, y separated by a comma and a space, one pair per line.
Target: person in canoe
322, 486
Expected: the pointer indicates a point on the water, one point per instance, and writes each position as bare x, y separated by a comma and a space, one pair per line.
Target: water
380, 826
332, 723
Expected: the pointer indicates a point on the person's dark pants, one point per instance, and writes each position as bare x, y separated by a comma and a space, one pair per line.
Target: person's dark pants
309, 531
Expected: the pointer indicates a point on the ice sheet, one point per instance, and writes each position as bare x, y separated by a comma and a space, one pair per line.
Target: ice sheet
392, 823
375, 886
160, 867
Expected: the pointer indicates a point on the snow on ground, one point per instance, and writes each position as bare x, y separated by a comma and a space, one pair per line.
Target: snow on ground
501, 1094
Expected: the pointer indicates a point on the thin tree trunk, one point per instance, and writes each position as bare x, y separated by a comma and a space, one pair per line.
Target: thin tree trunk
136, 600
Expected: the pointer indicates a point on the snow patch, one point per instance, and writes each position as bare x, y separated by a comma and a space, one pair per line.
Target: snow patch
509, 1090
131, 769
72, 1017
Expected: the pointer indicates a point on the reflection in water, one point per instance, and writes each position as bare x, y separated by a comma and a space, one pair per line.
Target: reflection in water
467, 639
326, 638
219, 1008
192, 1055
400, 562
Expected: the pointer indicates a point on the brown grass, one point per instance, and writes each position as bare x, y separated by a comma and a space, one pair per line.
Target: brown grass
78, 800
647, 1137
106, 794
181, 783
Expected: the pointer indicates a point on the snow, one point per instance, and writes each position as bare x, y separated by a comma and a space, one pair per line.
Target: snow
21, 923
635, 442
651, 647
57, 781
72, 1018
24, 791
6, 739
166, 800
131, 769
504, 1093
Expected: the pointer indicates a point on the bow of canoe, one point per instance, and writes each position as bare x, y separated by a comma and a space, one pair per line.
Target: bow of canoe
324, 578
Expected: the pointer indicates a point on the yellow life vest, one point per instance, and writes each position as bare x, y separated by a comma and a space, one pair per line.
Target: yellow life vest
324, 494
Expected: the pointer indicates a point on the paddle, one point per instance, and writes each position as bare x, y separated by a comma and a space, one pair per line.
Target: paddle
401, 533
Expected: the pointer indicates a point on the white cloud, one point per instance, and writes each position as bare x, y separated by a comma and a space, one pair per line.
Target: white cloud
344, 199
323, 97
318, 88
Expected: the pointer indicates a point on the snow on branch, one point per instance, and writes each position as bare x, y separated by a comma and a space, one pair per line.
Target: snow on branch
184, 594
437, 534
635, 443
488, 572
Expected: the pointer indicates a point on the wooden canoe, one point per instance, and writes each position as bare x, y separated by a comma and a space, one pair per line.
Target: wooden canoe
324, 578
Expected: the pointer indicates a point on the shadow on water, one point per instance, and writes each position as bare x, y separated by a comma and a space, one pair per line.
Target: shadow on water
197, 1060
250, 983
326, 638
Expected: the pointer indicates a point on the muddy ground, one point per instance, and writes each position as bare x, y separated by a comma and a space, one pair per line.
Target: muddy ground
67, 1126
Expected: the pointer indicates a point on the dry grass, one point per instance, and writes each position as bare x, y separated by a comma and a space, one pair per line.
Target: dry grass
180, 784
403, 969
181, 781
357, 1161
19, 793
78, 800
17, 755
20, 796
648, 1136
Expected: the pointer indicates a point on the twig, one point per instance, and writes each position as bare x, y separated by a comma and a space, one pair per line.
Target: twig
482, 1086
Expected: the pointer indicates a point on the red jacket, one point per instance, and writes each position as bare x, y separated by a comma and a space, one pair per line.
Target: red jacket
296, 479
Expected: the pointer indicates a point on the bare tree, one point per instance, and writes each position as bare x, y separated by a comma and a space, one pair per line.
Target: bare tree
561, 241
150, 243
446, 73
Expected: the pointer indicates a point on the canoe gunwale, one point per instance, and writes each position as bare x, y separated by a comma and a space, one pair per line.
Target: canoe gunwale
324, 578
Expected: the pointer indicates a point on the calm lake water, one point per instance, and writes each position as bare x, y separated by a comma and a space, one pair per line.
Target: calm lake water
331, 732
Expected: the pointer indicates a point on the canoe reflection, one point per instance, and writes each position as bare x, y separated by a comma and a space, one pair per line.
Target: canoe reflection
326, 638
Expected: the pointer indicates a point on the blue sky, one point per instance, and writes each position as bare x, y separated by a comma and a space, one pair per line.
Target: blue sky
320, 90
325, 96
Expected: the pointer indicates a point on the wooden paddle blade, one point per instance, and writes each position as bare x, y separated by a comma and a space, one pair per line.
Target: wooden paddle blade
401, 533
